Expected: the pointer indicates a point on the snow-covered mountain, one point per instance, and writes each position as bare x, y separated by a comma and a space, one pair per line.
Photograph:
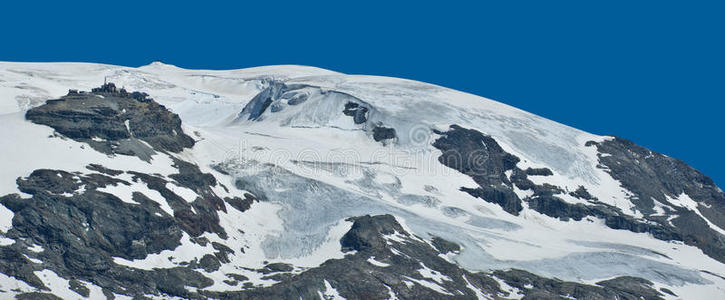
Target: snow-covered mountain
288, 182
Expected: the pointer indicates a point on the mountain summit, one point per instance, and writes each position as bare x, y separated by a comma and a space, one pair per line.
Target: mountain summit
289, 182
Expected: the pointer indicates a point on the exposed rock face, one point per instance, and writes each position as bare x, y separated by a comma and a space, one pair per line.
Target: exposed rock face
648, 175
367, 233
444, 246
356, 111
651, 176
61, 216
114, 122
38, 296
81, 230
480, 157
582, 193
381, 133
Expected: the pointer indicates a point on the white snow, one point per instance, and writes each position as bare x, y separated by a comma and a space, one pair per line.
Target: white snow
10, 286
33, 260
376, 263
479, 294
513, 293
4, 241
330, 293
128, 127
430, 285
31, 140
185, 252
183, 192
6, 219
330, 249
60, 287
36, 248
685, 201
432, 274
714, 290
122, 191
391, 294
659, 208
125, 192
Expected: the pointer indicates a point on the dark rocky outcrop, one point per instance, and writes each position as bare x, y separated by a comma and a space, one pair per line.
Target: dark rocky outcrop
209, 263
223, 252
200, 215
444, 246
503, 196
652, 176
14, 263
367, 233
539, 172
82, 230
37, 296
79, 288
381, 133
277, 267
582, 193
101, 169
241, 204
648, 175
359, 113
114, 122
480, 157
537, 287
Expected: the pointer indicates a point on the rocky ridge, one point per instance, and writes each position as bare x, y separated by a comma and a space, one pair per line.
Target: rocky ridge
114, 121
650, 176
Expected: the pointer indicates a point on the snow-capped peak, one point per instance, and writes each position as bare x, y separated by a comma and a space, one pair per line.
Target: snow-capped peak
263, 179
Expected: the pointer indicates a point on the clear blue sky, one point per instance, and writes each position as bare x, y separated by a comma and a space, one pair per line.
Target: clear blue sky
649, 71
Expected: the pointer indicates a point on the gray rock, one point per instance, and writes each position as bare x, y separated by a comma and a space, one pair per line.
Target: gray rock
37, 296
381, 133
79, 288
582, 193
647, 174
359, 113
480, 157
652, 176
119, 119
277, 267
444, 246
209, 263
